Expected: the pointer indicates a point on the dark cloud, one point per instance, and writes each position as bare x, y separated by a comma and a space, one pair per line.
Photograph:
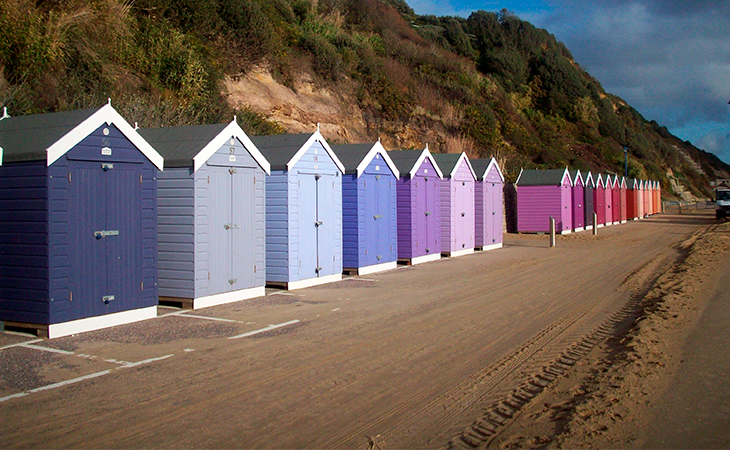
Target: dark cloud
668, 59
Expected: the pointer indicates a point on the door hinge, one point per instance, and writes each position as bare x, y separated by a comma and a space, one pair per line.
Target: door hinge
141, 285
70, 296
69, 177
254, 269
209, 275
140, 179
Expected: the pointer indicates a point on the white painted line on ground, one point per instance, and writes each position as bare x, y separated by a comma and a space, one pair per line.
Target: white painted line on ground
209, 318
145, 361
263, 330
71, 381
20, 343
282, 293
366, 279
189, 350
82, 378
46, 349
336, 309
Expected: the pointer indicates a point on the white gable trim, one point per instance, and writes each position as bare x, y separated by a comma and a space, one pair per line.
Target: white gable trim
578, 176
519, 176
600, 182
377, 149
425, 154
1, 156
589, 178
316, 136
231, 130
623, 183
462, 158
106, 114
566, 174
493, 163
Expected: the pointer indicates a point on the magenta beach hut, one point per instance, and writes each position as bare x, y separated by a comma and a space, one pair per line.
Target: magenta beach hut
590, 185
488, 204
457, 204
419, 206
542, 194
578, 200
616, 200
608, 200
599, 199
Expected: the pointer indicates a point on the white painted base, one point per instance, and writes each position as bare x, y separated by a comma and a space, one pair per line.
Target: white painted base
97, 323
600, 225
425, 258
486, 248
375, 268
566, 231
466, 251
608, 224
623, 221
316, 281
228, 297
578, 230
589, 227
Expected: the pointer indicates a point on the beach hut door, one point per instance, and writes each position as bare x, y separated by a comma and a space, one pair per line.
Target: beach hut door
105, 232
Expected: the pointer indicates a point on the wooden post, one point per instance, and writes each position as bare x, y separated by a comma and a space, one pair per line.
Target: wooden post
552, 232
595, 224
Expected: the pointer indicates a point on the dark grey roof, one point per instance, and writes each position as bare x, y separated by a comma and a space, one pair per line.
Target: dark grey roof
280, 149
541, 177
630, 183
404, 160
26, 138
480, 167
178, 145
446, 161
351, 155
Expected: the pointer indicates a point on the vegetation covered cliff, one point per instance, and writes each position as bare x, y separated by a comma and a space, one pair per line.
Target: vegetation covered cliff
490, 85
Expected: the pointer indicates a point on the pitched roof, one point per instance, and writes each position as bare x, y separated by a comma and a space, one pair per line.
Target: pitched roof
542, 177
409, 161
483, 166
48, 137
283, 151
193, 145
356, 157
590, 182
575, 176
449, 163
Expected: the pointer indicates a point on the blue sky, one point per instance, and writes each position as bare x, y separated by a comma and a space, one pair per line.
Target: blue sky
668, 59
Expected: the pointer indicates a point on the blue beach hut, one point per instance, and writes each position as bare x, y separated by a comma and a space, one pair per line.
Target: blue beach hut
78, 222
303, 210
210, 204
369, 225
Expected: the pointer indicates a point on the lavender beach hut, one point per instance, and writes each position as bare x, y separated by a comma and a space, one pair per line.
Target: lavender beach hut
488, 204
578, 201
303, 210
78, 222
210, 204
457, 204
369, 222
419, 206
542, 194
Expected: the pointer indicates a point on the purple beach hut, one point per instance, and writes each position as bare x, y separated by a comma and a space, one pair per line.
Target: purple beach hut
419, 206
488, 204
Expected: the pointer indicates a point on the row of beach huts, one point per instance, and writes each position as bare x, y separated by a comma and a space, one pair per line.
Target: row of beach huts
93, 232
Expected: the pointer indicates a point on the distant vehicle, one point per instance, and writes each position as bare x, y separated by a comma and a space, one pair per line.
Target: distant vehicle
722, 202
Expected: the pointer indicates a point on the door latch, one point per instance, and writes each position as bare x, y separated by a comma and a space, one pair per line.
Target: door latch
107, 298
105, 233
233, 281
318, 223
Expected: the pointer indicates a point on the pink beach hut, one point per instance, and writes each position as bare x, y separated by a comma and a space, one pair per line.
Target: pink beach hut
542, 194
